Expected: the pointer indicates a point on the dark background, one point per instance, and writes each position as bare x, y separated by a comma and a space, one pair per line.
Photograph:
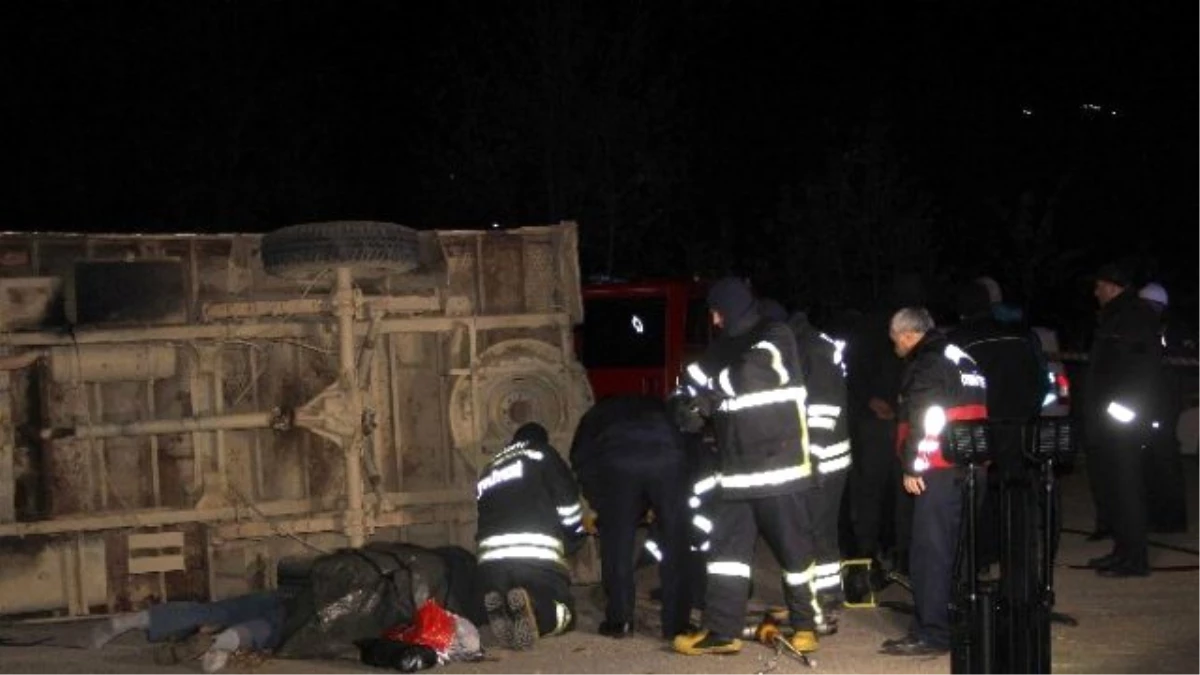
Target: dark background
819, 147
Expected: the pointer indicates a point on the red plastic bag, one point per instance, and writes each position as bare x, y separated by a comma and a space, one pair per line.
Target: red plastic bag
432, 627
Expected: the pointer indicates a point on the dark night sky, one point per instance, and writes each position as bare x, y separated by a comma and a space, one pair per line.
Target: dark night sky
248, 115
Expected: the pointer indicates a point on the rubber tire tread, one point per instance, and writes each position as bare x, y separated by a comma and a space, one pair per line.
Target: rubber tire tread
310, 246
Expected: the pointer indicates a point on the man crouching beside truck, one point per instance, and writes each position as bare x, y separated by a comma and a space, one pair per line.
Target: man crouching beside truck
530, 521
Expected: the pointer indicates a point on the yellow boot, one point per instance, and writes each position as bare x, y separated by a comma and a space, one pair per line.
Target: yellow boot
804, 641
704, 642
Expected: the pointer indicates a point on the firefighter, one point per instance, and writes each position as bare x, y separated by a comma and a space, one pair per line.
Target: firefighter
530, 521
748, 382
829, 445
628, 455
1123, 366
940, 384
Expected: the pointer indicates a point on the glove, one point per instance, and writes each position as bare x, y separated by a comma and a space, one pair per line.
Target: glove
706, 403
589, 524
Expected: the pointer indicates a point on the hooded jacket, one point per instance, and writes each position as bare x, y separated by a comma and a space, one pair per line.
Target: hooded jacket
752, 374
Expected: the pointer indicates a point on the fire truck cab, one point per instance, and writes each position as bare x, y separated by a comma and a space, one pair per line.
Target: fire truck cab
637, 336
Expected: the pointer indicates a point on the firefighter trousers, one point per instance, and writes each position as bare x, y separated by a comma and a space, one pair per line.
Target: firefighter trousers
825, 506
549, 590
620, 500
937, 514
785, 525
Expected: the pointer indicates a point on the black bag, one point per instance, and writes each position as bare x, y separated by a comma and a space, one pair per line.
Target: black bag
357, 594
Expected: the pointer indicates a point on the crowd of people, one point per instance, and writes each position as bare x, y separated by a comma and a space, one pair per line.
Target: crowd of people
830, 447
827, 447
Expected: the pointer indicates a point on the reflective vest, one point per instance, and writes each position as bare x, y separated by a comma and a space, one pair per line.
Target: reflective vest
762, 437
529, 507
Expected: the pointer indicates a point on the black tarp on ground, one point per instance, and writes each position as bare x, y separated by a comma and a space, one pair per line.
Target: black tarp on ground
359, 593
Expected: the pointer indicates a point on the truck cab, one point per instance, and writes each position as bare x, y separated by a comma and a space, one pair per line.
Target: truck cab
637, 336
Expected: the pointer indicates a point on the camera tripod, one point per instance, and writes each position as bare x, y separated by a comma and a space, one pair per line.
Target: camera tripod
1004, 625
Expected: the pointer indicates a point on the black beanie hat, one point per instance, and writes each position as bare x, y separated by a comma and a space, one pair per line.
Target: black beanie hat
531, 433
731, 297
1114, 274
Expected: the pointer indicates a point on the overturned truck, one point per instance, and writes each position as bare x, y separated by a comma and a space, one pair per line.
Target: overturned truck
209, 405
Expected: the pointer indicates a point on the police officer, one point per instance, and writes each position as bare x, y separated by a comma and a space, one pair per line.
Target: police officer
940, 384
1124, 361
530, 520
627, 454
749, 381
829, 445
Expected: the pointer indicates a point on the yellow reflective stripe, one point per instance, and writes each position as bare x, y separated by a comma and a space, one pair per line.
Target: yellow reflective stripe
1120, 413
729, 569
776, 361
823, 410
831, 465
521, 553
704, 485
769, 397
830, 451
797, 578
521, 539
765, 478
822, 423
726, 384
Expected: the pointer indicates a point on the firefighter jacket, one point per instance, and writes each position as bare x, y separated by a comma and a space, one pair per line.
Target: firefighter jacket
824, 376
1011, 359
529, 507
1123, 365
941, 384
753, 379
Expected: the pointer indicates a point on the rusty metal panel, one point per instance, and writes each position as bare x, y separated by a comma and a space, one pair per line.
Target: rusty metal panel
445, 389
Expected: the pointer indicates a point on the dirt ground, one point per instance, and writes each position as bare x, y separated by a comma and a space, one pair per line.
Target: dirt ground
1146, 625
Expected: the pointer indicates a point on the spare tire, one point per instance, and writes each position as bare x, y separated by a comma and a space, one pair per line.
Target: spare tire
306, 250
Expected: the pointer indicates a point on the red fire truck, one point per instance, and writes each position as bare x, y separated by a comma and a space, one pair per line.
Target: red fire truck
637, 336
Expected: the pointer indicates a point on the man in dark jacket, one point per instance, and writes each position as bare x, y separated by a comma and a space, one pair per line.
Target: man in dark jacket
881, 521
1166, 488
1120, 392
1010, 358
530, 520
749, 380
628, 454
941, 384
